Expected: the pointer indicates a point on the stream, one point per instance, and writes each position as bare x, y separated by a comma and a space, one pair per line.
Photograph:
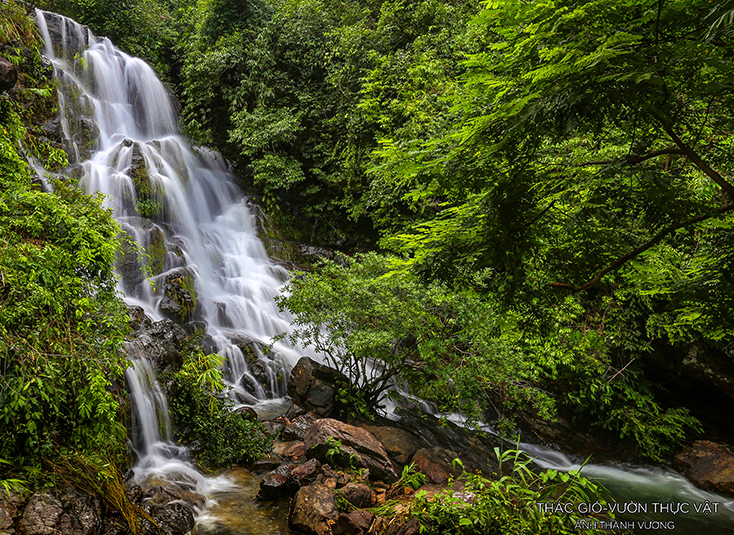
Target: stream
190, 222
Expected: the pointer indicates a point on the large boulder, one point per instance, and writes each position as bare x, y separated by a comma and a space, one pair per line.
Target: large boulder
477, 449
85, 510
708, 465
367, 451
44, 515
399, 443
314, 510
8, 75
313, 387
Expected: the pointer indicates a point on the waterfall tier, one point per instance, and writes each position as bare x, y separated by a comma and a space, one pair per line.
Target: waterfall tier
191, 250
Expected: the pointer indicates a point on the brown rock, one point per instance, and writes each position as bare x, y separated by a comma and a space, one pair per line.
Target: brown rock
436, 464
354, 523
412, 527
708, 465
296, 451
313, 386
296, 428
354, 441
8, 75
277, 483
314, 510
400, 444
359, 495
307, 472
44, 515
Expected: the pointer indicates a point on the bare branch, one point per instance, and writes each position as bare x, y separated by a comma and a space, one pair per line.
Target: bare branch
632, 160
694, 157
614, 266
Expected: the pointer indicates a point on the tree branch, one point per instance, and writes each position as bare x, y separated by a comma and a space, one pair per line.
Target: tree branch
632, 160
614, 266
694, 157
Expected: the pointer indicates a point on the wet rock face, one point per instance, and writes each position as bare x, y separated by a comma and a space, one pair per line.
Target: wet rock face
179, 296
708, 465
8, 75
72, 513
314, 510
354, 441
162, 342
60, 30
313, 386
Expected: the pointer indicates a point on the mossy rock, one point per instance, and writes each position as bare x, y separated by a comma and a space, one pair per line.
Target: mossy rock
180, 300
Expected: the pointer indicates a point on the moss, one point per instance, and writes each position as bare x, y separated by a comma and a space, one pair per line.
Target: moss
190, 287
156, 251
141, 179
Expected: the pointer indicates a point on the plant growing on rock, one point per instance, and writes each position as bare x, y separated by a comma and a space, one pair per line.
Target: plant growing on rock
202, 412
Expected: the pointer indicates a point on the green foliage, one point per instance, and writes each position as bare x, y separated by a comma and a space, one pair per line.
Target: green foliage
379, 327
298, 93
410, 478
61, 320
202, 411
509, 505
144, 28
11, 485
337, 456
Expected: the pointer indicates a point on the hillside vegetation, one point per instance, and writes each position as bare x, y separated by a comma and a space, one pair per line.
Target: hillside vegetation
535, 198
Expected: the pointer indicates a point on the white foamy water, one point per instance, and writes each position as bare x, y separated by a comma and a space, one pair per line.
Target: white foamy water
181, 209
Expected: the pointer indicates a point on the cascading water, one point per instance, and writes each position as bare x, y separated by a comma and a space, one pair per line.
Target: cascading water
183, 220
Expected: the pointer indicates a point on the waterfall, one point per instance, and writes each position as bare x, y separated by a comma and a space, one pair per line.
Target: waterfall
184, 221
